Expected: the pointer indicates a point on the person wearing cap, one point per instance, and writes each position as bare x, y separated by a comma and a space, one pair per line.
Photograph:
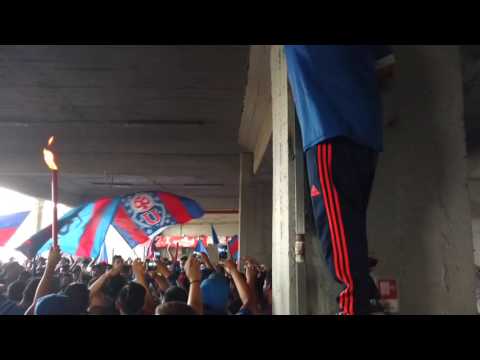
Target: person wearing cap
215, 294
53, 304
216, 290
337, 95
73, 300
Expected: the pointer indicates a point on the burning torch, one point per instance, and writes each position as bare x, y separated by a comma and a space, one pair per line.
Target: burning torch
50, 159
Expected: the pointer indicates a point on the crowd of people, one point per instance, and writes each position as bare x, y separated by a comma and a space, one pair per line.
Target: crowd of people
193, 285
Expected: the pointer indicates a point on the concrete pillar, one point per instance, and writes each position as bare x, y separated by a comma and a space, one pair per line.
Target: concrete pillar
255, 213
263, 199
419, 218
246, 207
300, 240
476, 232
283, 220
474, 194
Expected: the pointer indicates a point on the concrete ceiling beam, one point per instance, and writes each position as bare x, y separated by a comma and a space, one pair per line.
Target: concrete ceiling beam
124, 164
256, 122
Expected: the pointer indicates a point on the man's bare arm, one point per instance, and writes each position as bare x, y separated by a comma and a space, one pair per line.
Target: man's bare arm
192, 270
138, 269
243, 289
45, 284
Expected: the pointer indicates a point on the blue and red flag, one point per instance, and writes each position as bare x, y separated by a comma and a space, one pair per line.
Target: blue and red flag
103, 256
81, 231
215, 240
201, 247
143, 215
137, 217
9, 224
31, 247
233, 248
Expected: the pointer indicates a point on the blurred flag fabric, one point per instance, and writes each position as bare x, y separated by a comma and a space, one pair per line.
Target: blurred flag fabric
216, 242
9, 225
151, 249
200, 247
233, 248
137, 217
142, 215
31, 246
103, 256
81, 231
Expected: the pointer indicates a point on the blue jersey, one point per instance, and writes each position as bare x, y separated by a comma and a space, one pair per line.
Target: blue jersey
336, 92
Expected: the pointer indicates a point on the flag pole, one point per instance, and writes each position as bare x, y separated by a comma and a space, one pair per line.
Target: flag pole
239, 255
40, 203
54, 203
176, 254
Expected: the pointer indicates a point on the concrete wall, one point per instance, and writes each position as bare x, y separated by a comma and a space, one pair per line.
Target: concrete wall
420, 222
262, 247
476, 239
475, 206
222, 229
255, 213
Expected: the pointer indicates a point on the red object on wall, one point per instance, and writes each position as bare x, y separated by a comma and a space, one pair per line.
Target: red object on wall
183, 241
388, 289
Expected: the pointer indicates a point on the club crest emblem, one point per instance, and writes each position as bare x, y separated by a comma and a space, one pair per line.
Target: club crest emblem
142, 203
147, 211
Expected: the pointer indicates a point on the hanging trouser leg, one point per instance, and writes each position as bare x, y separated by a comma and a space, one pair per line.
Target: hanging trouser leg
340, 177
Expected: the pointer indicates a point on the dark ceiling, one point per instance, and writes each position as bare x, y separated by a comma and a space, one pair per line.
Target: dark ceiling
471, 77
126, 118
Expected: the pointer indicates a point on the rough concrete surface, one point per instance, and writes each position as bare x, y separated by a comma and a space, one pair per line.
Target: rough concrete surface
419, 219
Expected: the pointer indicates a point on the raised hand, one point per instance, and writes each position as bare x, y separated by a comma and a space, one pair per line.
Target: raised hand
229, 266
54, 256
248, 259
116, 268
192, 269
138, 268
251, 271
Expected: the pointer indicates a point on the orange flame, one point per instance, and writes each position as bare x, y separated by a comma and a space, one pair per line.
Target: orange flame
49, 156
